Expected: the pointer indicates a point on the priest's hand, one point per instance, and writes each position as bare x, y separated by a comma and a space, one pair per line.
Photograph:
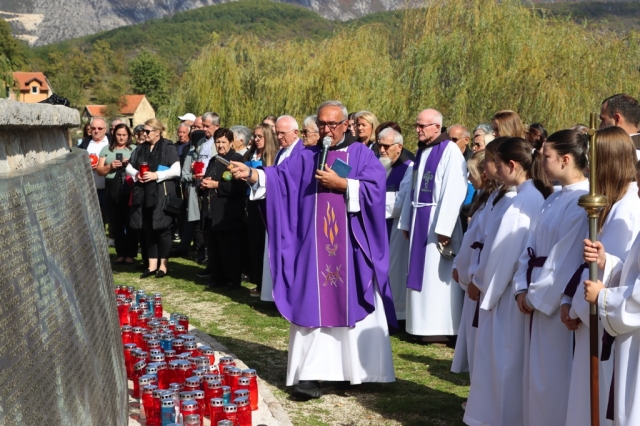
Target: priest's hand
208, 183
571, 324
473, 292
443, 239
521, 300
454, 275
330, 179
591, 290
594, 252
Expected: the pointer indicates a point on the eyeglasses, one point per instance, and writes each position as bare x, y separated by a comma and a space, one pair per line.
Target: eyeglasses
147, 131
307, 132
331, 126
97, 128
476, 144
455, 140
258, 137
386, 147
284, 133
424, 126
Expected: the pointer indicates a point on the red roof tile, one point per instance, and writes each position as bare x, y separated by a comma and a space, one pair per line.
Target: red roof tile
130, 104
24, 78
97, 110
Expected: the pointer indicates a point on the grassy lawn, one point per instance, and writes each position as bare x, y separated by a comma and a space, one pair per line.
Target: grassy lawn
425, 392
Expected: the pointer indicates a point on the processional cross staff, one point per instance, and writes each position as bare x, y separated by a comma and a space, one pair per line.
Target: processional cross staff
593, 203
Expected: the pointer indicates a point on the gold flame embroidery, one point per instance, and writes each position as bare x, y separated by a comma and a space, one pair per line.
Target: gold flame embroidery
331, 230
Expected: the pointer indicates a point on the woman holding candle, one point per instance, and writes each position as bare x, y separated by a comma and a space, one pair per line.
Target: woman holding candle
150, 191
113, 160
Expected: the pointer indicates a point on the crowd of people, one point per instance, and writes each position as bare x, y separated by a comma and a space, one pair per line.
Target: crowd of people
476, 239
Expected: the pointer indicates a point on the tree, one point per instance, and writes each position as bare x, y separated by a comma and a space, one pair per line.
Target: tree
10, 47
150, 77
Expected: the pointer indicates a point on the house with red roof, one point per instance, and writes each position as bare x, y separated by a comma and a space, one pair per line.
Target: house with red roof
30, 87
134, 110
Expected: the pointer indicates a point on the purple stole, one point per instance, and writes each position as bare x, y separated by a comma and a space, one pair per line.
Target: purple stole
422, 219
332, 252
393, 185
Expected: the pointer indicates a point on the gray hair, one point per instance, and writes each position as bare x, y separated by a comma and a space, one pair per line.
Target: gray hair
345, 113
486, 128
465, 131
388, 131
242, 133
310, 121
98, 118
139, 128
183, 124
211, 116
294, 122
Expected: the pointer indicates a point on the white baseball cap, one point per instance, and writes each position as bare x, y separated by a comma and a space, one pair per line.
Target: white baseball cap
188, 116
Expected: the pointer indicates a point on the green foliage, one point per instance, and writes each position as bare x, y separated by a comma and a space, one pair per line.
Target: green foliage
466, 58
11, 48
150, 77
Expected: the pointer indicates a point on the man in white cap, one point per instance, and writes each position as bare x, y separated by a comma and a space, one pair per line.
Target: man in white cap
188, 118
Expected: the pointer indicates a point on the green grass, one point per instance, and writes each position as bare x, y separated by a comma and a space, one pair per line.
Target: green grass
425, 392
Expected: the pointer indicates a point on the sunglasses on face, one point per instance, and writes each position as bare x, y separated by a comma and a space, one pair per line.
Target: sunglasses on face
97, 128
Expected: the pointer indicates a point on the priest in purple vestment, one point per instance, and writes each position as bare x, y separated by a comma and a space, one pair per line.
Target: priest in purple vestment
329, 257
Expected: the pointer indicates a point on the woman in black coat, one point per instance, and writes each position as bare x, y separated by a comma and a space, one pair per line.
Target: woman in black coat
149, 193
223, 213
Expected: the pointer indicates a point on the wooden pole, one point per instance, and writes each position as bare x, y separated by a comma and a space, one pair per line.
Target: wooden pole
593, 204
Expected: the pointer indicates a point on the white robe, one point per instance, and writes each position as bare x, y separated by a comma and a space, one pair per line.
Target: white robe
495, 396
398, 245
466, 263
355, 354
618, 234
437, 308
548, 348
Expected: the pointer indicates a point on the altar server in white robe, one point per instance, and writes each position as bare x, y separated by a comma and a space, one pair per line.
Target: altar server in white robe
495, 397
620, 224
618, 304
483, 181
553, 253
431, 218
399, 168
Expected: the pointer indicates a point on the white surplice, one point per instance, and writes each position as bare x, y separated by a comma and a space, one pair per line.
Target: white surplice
619, 313
437, 308
617, 235
356, 354
548, 350
465, 263
495, 396
398, 245
266, 294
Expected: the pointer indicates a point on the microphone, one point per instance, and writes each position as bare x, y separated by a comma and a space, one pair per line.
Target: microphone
326, 143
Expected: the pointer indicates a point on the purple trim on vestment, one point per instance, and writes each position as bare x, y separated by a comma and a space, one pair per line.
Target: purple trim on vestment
420, 234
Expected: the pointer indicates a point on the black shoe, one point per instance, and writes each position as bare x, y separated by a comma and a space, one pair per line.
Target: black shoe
213, 284
306, 389
205, 273
160, 273
201, 260
148, 273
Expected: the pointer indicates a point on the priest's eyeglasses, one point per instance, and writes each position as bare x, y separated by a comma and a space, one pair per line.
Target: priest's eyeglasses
423, 126
331, 126
385, 147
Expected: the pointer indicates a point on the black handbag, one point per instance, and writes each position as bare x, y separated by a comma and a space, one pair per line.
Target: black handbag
171, 205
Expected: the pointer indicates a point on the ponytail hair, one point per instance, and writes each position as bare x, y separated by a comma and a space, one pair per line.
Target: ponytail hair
491, 152
522, 152
616, 157
570, 142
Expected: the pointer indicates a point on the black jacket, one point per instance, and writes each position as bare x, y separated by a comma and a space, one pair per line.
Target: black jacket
224, 206
160, 219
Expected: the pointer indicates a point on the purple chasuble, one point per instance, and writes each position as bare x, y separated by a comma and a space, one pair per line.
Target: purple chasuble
393, 184
423, 214
323, 259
